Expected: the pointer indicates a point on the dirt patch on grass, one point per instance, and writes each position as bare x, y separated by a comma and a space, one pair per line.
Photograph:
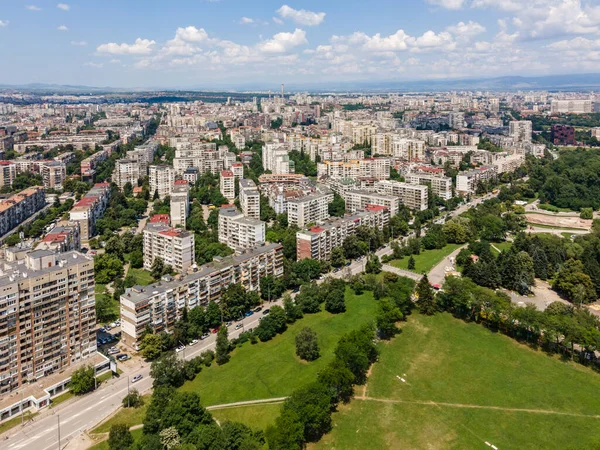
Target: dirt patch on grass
559, 221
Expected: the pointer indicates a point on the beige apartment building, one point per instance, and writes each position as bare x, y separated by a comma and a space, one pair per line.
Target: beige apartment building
180, 203
53, 174
161, 180
89, 209
440, 185
47, 305
358, 200
8, 173
173, 245
238, 231
313, 208
159, 305
249, 198
415, 197
19, 207
227, 184
127, 171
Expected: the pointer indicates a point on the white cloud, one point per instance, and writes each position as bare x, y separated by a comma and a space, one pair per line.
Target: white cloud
33, 8
94, 65
62, 28
578, 43
115, 61
63, 6
139, 47
4, 23
284, 42
246, 20
277, 20
302, 16
448, 4
79, 43
466, 31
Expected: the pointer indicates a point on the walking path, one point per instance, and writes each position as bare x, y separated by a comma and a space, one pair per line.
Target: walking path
404, 273
248, 402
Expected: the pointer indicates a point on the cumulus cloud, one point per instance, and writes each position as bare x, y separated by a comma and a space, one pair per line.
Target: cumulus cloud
4, 23
284, 42
79, 43
94, 65
62, 28
63, 6
447, 4
466, 31
33, 8
246, 20
578, 43
301, 16
139, 47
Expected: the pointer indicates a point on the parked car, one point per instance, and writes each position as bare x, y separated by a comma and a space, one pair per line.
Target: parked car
266, 311
258, 309
136, 378
204, 336
214, 330
249, 313
180, 348
194, 342
112, 352
228, 324
113, 325
122, 357
102, 330
238, 326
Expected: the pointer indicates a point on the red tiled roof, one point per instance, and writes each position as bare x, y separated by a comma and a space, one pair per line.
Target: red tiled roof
181, 182
160, 218
316, 229
375, 208
172, 232
226, 173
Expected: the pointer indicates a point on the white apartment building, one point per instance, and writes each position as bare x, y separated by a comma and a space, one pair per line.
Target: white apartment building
312, 208
571, 106
249, 198
414, 196
276, 159
161, 180
520, 130
408, 149
127, 171
456, 120
466, 182
358, 200
238, 140
509, 163
227, 184
89, 209
238, 170
8, 173
53, 174
180, 203
440, 186
238, 231
377, 168
173, 245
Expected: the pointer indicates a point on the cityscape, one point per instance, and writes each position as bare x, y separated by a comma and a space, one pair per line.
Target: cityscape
298, 226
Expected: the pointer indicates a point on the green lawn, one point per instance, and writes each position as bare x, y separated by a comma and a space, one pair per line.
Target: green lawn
272, 369
255, 416
552, 208
11, 423
142, 277
129, 416
137, 434
61, 398
427, 260
444, 360
99, 288
502, 246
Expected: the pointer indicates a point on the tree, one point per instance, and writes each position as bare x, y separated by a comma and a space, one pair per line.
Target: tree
157, 268
128, 189
308, 298
337, 257
411, 263
373, 264
82, 380
287, 433
516, 270
338, 380
573, 284
307, 346
119, 437
167, 370
275, 322
151, 346
292, 310
222, 346
169, 438
332, 292
337, 207
426, 297
133, 399
586, 213
271, 288
312, 404
387, 316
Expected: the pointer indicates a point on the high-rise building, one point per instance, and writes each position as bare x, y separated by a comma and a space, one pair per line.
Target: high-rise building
161, 180
562, 134
520, 130
276, 159
358, 200
414, 196
571, 106
19, 207
173, 245
89, 209
249, 198
440, 185
127, 171
238, 231
180, 203
313, 208
227, 184
48, 312
8, 172
159, 305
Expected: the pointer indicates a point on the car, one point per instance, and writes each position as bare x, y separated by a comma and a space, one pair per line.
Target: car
122, 357
238, 326
214, 330
348, 263
112, 351
93, 252
107, 327
136, 378
259, 309
249, 313
337, 269
266, 311
180, 348
102, 330
84, 250
204, 336
228, 324
113, 325
194, 342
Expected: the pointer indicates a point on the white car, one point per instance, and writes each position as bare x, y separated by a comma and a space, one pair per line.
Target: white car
180, 348
136, 378
194, 342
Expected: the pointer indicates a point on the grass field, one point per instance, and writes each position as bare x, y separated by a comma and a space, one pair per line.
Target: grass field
255, 416
427, 260
272, 369
502, 246
142, 277
464, 386
129, 416
137, 434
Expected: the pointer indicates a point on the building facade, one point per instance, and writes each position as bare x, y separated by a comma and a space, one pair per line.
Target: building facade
312, 208
161, 180
180, 203
227, 184
19, 207
238, 231
173, 245
414, 196
89, 209
249, 198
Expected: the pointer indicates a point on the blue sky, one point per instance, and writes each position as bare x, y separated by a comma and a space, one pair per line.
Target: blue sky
204, 43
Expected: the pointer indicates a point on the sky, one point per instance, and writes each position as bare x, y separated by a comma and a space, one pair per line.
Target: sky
229, 43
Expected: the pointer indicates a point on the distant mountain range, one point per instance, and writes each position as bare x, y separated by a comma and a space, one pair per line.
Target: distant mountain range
573, 82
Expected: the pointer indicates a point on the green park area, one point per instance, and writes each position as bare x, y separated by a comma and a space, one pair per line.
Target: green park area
465, 386
142, 277
427, 259
256, 416
272, 369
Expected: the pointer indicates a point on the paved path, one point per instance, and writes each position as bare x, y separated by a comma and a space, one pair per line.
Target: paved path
438, 273
248, 402
404, 273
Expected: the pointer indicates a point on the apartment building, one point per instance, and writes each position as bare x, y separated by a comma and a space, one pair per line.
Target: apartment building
456, 120
62, 238
47, 305
127, 171
313, 208
377, 168
509, 163
249, 198
200, 155
180, 203
408, 149
440, 185
159, 305
191, 175
8, 173
143, 155
520, 130
53, 174
173, 245
358, 200
227, 184
414, 196
89, 209
276, 159
562, 134
571, 106
19, 207
466, 182
161, 180
238, 231
89, 164
318, 241
363, 134
238, 170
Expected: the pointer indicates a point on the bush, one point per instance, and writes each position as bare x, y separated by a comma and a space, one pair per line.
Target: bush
133, 399
119, 437
307, 346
